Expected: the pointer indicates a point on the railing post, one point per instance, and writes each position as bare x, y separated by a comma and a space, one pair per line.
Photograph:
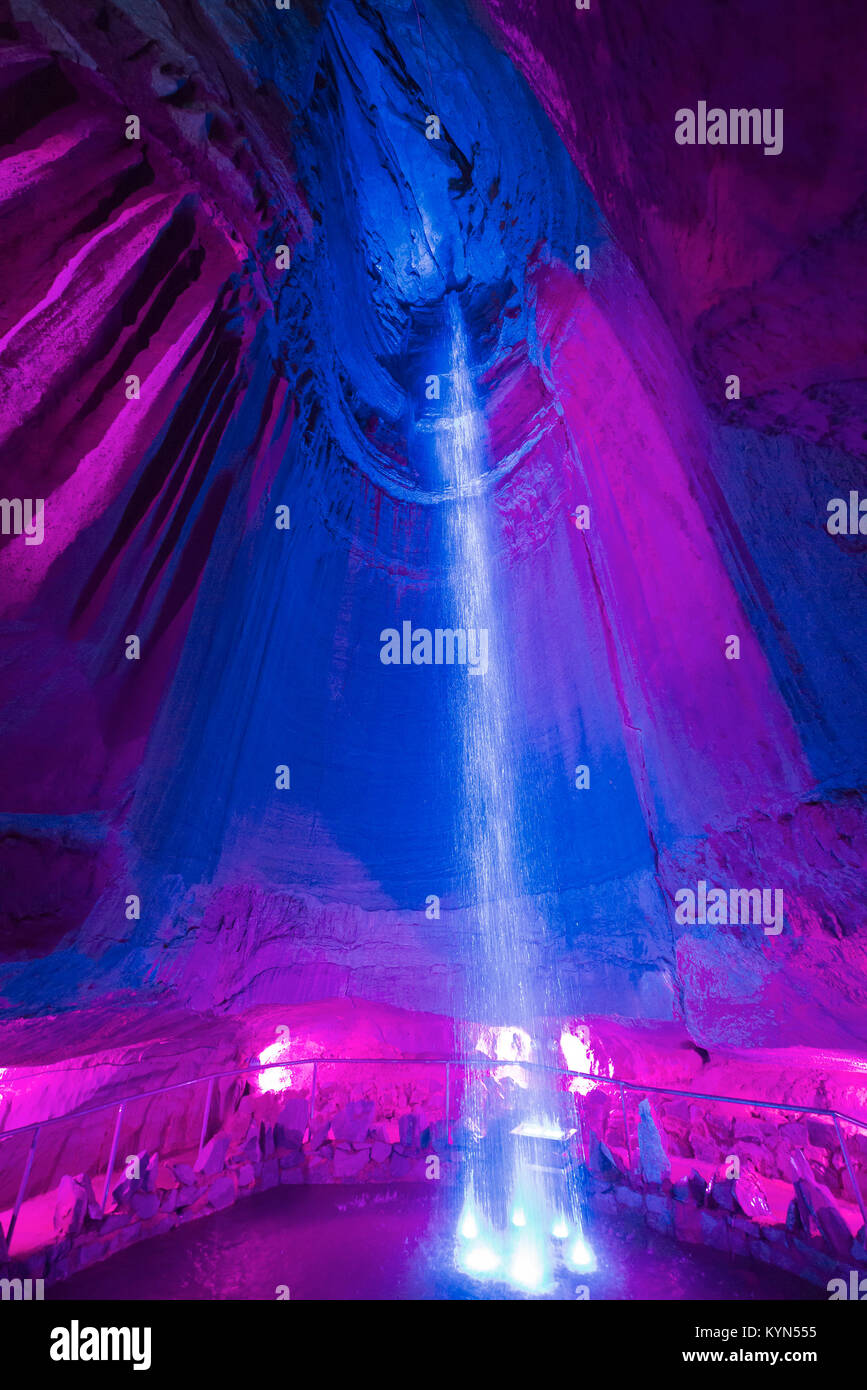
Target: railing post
203, 1137
625, 1126
22, 1187
841, 1139
115, 1139
448, 1103
312, 1097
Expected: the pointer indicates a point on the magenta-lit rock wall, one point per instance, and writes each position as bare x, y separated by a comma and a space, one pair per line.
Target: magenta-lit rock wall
261, 387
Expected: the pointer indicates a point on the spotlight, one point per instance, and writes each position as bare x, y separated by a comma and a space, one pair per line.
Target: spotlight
480, 1259
518, 1217
469, 1226
560, 1231
581, 1257
526, 1268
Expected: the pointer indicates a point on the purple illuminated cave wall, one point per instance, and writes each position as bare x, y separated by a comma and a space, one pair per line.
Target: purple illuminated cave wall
264, 386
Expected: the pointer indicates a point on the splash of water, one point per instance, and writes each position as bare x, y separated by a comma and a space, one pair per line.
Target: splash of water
513, 1202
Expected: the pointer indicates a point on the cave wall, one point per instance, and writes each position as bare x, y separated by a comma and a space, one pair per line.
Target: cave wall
263, 387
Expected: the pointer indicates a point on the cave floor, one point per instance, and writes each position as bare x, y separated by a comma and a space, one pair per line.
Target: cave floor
359, 1242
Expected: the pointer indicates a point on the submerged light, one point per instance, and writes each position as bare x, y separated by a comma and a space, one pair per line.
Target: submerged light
479, 1259
581, 1257
526, 1268
532, 1129
468, 1225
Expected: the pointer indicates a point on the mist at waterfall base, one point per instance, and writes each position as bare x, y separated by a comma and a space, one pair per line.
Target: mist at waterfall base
521, 1220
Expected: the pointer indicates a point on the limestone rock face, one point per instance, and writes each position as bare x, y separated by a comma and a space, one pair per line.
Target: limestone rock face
655, 1163
215, 334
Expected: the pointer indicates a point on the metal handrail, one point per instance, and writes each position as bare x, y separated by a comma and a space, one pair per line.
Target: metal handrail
481, 1061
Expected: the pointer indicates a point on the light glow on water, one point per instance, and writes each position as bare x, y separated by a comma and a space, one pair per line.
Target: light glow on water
581, 1257
469, 1226
532, 1129
527, 1267
479, 1259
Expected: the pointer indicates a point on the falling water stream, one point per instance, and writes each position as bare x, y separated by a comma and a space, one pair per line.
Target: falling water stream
521, 1215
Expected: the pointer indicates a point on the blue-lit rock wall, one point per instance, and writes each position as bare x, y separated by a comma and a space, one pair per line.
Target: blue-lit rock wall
303, 386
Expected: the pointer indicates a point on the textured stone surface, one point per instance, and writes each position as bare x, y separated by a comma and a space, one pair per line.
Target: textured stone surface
605, 386
261, 912
655, 1163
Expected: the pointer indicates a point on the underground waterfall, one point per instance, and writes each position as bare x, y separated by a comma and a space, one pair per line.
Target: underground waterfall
521, 1217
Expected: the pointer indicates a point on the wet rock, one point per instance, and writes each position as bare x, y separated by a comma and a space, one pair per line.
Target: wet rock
714, 1230
380, 1152
794, 1218
774, 1234
115, 1222
149, 1172
291, 1124
628, 1198
353, 1121
266, 1140
348, 1163
166, 1178
687, 1223
794, 1132
319, 1135
750, 1128
141, 1164
835, 1230
71, 1207
722, 1193
252, 1146
145, 1204
213, 1156
697, 1187
822, 1135
409, 1129
654, 1161
601, 1160
750, 1196
221, 1193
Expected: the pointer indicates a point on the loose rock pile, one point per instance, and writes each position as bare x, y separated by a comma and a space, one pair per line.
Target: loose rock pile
728, 1214
249, 1155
